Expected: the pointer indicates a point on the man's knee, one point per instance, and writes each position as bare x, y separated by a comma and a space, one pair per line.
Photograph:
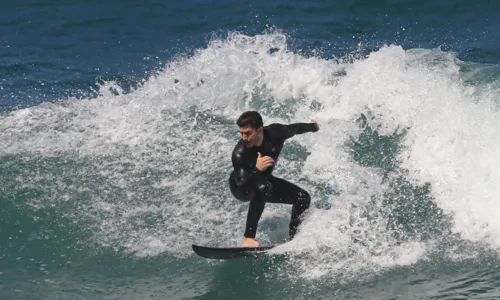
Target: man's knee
304, 199
264, 187
238, 192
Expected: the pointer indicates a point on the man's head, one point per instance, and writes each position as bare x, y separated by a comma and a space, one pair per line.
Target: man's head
251, 128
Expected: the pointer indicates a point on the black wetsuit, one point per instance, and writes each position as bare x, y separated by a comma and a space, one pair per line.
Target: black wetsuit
247, 183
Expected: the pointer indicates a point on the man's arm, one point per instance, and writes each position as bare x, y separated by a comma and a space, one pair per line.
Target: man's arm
288, 131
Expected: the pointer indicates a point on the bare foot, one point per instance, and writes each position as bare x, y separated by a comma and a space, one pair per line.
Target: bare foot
249, 242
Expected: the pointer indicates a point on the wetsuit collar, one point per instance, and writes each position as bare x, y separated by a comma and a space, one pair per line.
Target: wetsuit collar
263, 137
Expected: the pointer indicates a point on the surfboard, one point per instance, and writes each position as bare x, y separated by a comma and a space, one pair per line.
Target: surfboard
230, 252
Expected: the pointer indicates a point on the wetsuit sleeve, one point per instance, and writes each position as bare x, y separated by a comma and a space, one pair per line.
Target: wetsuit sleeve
245, 174
288, 131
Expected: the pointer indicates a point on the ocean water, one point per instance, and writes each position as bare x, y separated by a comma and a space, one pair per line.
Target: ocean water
117, 120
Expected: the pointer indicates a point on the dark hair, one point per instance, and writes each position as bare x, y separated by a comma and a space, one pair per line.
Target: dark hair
250, 118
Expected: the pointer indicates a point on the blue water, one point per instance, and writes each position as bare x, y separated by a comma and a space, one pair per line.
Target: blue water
117, 121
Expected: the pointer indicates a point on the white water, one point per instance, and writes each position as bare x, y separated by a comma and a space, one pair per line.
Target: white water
163, 151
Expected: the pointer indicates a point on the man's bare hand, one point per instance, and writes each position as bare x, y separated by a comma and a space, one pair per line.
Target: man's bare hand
263, 162
316, 123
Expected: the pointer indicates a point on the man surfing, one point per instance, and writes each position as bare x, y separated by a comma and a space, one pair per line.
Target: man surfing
253, 161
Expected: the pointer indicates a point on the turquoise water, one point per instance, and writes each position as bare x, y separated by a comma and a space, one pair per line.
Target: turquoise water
117, 120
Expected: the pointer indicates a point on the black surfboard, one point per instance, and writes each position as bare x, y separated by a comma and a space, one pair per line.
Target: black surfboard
229, 253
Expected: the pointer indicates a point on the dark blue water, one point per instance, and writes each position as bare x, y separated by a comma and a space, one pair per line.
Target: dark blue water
117, 120
63, 50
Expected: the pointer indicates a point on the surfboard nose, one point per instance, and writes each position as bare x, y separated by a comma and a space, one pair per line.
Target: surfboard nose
229, 252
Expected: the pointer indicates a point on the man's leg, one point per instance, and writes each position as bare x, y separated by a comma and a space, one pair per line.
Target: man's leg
256, 207
255, 196
239, 193
288, 193
277, 190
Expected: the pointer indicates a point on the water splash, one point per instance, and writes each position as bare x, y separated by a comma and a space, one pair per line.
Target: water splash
149, 167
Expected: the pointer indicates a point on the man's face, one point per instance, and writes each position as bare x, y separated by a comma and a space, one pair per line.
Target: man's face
250, 136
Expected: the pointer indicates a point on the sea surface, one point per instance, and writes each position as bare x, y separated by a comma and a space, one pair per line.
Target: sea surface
117, 120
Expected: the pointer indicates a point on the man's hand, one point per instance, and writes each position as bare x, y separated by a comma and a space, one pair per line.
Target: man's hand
263, 162
316, 123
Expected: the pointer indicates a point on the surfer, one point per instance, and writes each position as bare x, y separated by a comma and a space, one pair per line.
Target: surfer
253, 161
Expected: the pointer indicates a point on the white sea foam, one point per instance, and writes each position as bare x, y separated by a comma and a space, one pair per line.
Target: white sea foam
162, 152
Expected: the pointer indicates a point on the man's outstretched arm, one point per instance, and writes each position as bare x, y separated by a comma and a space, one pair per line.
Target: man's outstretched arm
288, 131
